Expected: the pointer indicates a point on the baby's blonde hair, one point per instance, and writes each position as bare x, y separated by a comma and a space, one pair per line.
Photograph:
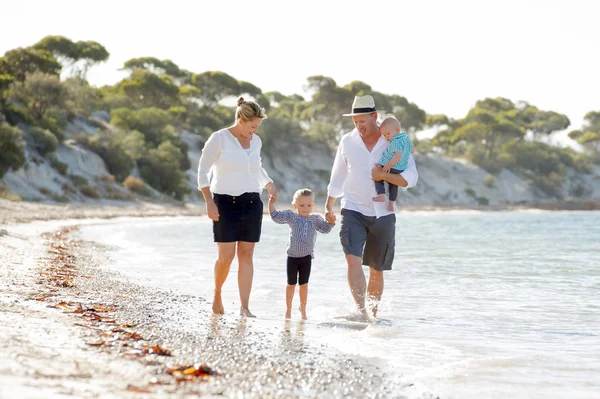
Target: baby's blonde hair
303, 192
248, 110
391, 121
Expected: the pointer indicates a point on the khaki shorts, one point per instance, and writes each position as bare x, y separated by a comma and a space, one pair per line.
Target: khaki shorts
370, 238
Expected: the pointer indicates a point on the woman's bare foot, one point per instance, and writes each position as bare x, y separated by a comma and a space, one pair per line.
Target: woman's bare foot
217, 306
379, 198
246, 313
288, 314
391, 206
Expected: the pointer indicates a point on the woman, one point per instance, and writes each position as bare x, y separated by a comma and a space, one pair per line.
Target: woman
233, 196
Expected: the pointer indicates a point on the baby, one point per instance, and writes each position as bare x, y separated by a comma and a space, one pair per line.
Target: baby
301, 243
394, 159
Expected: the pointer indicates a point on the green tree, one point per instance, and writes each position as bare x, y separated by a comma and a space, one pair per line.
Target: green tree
134, 144
38, 93
323, 132
79, 56
146, 89
12, 154
213, 86
43, 140
274, 130
156, 66
117, 160
589, 134
160, 169
22, 61
151, 122
491, 124
329, 101
83, 99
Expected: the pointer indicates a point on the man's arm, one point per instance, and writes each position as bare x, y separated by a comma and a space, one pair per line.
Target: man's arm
335, 189
406, 179
378, 174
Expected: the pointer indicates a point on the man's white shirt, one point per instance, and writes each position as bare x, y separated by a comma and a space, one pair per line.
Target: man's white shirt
351, 175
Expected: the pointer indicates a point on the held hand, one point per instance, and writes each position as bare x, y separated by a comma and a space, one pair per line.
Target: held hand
330, 217
386, 168
377, 173
273, 194
212, 211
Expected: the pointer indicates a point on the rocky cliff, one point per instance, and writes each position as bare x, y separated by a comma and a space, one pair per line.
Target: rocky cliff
442, 181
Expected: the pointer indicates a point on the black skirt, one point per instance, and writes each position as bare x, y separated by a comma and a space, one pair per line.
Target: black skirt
240, 218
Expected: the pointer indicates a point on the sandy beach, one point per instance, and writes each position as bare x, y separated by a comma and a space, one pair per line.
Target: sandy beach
71, 328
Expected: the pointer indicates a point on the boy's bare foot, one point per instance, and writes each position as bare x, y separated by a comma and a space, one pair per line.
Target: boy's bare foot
217, 306
288, 314
303, 312
391, 206
246, 313
379, 198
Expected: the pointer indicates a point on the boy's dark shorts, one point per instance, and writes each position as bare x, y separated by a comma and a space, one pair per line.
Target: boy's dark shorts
373, 239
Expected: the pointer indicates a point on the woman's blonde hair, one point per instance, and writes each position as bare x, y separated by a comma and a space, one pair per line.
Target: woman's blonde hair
248, 110
303, 192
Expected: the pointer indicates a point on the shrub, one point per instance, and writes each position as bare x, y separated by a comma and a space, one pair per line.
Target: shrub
490, 180
61, 167
117, 161
89, 191
12, 154
134, 184
44, 141
6, 194
161, 169
79, 181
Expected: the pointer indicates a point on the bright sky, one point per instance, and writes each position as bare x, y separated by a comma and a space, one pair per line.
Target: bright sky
442, 55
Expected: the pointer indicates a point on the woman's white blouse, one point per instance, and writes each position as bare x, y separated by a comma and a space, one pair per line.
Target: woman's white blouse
230, 169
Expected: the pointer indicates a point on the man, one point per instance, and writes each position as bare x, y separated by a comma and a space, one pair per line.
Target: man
367, 230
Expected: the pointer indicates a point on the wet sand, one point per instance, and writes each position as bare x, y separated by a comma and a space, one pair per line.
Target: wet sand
72, 327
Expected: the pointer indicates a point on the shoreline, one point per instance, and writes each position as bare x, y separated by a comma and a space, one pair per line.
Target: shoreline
86, 332
25, 212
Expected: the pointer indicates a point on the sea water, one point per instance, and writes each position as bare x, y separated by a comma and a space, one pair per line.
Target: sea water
478, 304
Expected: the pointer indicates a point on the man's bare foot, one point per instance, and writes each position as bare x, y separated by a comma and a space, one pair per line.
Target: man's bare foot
217, 306
246, 313
303, 312
391, 206
379, 198
288, 314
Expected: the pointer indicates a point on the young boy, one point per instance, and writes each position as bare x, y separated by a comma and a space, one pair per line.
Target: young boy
394, 159
301, 243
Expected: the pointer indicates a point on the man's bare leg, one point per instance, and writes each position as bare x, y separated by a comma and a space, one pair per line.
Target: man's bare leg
375, 289
222, 266
245, 252
356, 281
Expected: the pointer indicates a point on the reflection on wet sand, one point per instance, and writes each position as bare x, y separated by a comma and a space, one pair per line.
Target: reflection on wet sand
292, 339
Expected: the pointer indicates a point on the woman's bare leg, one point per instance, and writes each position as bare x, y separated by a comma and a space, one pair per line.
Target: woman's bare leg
245, 252
222, 266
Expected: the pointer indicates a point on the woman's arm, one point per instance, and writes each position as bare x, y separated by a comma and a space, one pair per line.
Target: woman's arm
210, 154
